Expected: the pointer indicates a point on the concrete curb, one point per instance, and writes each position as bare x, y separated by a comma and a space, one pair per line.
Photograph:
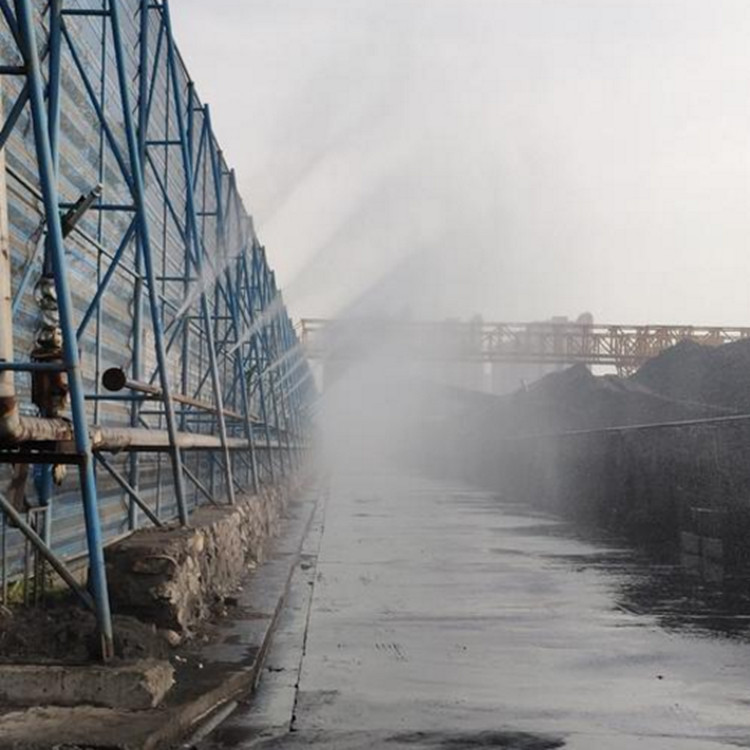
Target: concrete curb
186, 717
133, 686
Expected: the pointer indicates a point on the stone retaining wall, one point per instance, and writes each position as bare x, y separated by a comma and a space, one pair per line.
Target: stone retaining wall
174, 576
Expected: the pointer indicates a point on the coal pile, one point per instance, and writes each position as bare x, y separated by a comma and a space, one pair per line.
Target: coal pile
572, 400
575, 399
716, 376
555, 445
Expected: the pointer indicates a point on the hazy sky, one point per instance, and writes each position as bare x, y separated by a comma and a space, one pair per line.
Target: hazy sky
516, 159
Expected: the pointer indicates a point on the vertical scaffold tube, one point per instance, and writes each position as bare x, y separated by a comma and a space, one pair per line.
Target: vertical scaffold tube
139, 199
70, 349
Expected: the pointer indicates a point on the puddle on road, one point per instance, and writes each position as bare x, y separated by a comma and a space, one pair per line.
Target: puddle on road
653, 581
681, 600
506, 740
326, 740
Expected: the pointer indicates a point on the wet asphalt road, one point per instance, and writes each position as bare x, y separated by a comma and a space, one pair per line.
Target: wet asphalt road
430, 615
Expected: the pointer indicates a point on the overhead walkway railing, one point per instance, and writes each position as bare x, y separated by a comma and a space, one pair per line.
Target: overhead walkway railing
624, 347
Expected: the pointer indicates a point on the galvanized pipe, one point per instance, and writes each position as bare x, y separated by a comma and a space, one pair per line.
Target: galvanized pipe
9, 417
113, 439
134, 438
115, 379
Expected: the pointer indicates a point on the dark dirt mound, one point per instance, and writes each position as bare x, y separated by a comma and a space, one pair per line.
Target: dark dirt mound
576, 399
566, 401
719, 376
67, 634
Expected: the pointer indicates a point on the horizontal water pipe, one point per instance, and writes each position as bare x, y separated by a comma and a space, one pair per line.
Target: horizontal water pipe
114, 379
58, 430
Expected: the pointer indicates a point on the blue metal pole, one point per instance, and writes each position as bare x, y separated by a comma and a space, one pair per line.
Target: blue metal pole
137, 367
255, 293
252, 362
267, 302
238, 359
155, 66
186, 358
43, 472
191, 122
101, 172
201, 146
55, 49
279, 350
241, 376
145, 246
292, 397
165, 214
70, 349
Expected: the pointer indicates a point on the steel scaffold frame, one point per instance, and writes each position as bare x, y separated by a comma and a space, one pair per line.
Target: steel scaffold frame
214, 359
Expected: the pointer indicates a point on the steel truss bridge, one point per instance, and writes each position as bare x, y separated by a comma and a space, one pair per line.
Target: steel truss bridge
622, 347
143, 338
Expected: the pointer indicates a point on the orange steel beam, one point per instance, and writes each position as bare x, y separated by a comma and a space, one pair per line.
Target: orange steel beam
623, 347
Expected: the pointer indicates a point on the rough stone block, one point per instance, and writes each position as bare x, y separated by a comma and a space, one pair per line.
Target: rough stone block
174, 576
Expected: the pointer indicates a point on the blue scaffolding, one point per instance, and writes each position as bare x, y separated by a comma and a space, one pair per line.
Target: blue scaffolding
153, 350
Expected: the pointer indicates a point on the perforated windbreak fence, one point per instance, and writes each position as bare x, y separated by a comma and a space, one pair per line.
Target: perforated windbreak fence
185, 260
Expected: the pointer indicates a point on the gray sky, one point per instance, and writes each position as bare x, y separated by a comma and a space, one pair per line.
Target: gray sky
516, 159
